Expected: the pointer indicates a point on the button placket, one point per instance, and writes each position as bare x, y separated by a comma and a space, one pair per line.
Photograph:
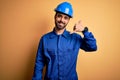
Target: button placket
60, 59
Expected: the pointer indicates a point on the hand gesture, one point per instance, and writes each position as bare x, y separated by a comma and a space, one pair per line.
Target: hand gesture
78, 27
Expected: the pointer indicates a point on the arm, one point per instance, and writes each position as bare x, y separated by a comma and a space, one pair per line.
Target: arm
40, 62
88, 42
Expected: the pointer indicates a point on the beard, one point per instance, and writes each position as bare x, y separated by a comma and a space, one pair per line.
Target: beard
60, 25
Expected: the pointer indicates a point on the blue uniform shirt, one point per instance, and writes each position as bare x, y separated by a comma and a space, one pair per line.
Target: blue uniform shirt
59, 54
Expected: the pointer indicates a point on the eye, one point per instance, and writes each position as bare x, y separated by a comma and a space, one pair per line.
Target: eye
66, 17
59, 15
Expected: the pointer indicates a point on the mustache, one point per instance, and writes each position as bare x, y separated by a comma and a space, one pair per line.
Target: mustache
61, 22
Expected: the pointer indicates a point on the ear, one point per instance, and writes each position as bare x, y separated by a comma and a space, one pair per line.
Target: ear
55, 15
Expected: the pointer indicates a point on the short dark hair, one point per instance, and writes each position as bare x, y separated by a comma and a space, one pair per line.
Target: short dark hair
62, 13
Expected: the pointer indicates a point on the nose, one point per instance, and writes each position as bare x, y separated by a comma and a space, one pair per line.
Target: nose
62, 19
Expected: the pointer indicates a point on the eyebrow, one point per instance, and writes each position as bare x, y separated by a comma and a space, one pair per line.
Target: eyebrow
63, 14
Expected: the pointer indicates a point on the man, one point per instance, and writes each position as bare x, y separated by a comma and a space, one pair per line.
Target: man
58, 50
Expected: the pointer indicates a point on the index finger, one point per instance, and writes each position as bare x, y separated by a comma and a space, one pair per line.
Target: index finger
79, 22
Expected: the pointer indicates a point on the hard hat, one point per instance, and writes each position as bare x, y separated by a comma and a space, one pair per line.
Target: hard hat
65, 8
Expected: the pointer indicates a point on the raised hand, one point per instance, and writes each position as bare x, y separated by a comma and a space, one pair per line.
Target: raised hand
78, 27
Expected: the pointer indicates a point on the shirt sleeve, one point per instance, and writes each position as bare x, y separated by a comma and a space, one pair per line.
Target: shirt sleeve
39, 63
88, 42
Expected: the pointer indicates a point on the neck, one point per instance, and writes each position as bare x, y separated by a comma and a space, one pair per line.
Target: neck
59, 32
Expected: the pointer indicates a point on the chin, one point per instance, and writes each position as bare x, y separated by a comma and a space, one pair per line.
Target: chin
60, 27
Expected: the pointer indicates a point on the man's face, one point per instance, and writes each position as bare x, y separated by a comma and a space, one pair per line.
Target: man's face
61, 20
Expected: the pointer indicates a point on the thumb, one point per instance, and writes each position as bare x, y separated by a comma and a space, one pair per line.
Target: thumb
74, 29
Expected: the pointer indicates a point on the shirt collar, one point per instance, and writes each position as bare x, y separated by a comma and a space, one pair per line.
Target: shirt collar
65, 34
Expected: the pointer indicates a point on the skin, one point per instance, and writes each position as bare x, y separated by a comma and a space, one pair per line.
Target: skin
61, 21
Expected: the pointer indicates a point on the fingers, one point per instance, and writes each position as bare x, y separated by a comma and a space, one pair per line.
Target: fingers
79, 22
74, 29
77, 27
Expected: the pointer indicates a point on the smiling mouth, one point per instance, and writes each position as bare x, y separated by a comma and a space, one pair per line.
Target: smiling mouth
61, 24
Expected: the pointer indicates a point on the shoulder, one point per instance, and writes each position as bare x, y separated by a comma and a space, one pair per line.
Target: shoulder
47, 35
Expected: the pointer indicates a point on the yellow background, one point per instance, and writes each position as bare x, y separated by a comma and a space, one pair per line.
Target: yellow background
23, 22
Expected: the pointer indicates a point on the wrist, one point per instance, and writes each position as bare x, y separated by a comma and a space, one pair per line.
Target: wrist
85, 30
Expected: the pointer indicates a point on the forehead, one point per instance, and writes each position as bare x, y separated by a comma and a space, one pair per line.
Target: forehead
58, 13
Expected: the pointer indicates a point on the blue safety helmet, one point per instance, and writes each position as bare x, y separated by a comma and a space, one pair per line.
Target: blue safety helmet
65, 8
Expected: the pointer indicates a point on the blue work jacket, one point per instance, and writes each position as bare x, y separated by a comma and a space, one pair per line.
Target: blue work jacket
59, 54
